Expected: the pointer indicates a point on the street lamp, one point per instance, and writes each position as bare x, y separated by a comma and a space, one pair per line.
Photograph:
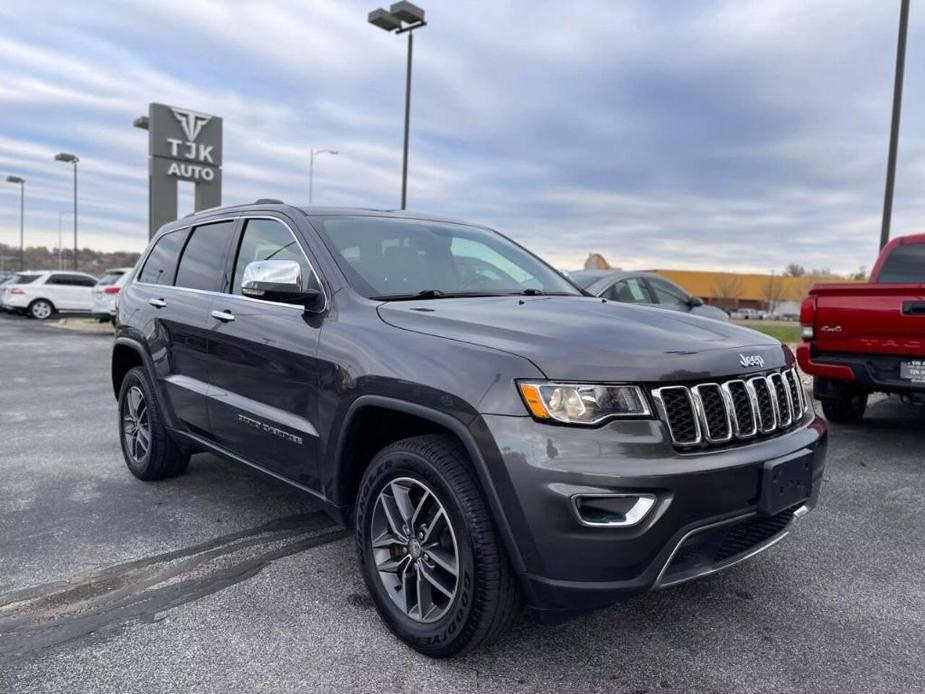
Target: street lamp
400, 18
311, 168
72, 159
894, 122
22, 209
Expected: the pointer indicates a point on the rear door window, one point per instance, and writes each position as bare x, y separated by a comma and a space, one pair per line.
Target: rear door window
161, 265
629, 291
202, 264
905, 265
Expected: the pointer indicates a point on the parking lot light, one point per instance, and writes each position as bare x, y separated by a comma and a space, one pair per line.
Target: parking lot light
22, 210
72, 159
402, 17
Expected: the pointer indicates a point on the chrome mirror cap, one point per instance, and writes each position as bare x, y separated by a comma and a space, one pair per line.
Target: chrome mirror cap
276, 277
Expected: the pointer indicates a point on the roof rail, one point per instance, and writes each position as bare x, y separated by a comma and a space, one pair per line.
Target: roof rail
268, 201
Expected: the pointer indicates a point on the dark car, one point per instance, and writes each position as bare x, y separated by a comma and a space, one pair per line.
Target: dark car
494, 436
644, 288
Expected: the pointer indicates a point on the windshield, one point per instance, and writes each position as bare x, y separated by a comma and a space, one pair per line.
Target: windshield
584, 280
402, 258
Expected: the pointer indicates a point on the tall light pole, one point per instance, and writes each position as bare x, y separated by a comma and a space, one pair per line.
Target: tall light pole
22, 214
402, 17
311, 169
72, 159
894, 123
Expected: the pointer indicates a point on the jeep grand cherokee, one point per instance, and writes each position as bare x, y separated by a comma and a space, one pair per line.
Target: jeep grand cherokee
494, 436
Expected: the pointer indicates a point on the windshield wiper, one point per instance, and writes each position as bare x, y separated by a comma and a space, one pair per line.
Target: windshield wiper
424, 294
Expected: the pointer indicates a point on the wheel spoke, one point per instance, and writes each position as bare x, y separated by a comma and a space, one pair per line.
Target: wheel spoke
392, 516
393, 566
419, 508
435, 581
436, 525
444, 559
408, 588
386, 540
402, 497
144, 439
425, 594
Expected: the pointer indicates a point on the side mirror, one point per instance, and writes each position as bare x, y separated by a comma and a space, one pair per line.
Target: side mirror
695, 301
279, 280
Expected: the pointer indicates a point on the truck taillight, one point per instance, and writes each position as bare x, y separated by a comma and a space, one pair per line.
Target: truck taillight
111, 290
807, 317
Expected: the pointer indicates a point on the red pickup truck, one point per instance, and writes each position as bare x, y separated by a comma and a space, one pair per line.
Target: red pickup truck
865, 338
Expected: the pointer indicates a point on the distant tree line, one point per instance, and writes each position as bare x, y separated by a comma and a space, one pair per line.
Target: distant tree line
44, 258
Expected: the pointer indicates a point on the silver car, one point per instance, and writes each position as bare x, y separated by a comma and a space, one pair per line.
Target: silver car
644, 288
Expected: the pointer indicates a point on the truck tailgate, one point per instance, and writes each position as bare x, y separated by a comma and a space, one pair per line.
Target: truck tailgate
870, 319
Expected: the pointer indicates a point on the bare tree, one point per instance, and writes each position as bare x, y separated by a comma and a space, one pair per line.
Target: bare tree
860, 275
727, 288
794, 270
773, 291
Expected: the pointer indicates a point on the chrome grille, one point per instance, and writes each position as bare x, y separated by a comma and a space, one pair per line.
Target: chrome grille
716, 413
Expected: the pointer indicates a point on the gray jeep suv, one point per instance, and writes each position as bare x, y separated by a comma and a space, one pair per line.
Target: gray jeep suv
495, 436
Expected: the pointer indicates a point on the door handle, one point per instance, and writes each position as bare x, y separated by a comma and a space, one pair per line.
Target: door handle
157, 303
224, 316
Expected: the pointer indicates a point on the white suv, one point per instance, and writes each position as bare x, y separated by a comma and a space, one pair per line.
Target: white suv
42, 294
106, 291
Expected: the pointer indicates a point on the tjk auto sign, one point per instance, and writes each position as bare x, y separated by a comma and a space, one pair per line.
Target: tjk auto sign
184, 145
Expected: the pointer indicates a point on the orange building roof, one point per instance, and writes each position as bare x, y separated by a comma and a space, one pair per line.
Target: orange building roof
743, 286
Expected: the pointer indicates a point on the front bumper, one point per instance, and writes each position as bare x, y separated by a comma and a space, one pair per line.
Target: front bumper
702, 497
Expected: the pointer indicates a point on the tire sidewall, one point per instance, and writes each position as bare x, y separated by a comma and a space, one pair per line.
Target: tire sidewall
430, 637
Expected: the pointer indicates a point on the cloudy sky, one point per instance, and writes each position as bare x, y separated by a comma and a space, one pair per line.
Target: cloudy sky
711, 134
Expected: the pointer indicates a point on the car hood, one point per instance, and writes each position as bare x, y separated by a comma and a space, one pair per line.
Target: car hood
584, 338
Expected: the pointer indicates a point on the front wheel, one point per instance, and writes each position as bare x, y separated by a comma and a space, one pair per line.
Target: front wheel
848, 409
428, 550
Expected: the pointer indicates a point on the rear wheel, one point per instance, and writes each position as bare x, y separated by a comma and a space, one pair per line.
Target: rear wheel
40, 309
428, 549
848, 409
149, 452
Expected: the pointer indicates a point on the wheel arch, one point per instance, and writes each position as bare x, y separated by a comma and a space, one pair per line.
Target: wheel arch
349, 467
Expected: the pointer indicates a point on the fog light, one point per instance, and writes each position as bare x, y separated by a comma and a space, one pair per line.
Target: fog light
612, 510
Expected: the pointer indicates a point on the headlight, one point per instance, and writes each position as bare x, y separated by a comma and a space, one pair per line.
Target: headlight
583, 403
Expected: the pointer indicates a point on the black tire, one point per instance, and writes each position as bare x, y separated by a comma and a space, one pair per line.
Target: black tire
162, 457
487, 598
41, 309
848, 409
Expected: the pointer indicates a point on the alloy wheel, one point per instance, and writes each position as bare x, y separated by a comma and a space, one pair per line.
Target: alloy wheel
415, 550
41, 310
136, 428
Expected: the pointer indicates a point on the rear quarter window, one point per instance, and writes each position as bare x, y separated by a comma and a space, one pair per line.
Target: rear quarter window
161, 265
905, 265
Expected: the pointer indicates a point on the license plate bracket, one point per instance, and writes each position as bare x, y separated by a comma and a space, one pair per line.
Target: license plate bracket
912, 371
785, 482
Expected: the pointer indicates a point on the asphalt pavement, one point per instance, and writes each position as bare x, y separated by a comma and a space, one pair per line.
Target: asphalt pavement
225, 581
